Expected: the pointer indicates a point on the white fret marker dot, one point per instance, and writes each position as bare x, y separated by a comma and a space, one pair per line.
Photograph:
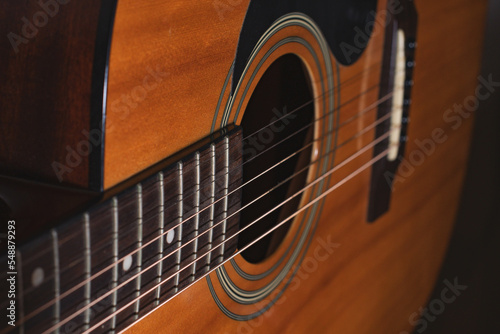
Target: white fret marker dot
127, 263
170, 236
37, 277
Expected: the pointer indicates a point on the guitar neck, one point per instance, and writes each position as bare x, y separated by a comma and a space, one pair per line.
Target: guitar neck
120, 259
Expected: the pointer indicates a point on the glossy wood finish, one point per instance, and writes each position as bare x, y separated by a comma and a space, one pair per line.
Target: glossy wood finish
379, 274
155, 83
47, 92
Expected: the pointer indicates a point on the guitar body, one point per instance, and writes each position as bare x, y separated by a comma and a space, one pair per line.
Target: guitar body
356, 278
180, 71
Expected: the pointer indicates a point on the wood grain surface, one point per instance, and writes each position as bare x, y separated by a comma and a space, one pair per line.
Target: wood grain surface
157, 44
180, 53
45, 91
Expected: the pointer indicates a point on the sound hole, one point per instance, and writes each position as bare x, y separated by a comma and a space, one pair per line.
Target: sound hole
275, 126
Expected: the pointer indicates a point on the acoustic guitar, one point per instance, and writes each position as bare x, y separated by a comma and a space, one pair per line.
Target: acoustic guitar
231, 166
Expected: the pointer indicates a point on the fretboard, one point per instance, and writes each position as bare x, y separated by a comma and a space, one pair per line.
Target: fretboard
120, 259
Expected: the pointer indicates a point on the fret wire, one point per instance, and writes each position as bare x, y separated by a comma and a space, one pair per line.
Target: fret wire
21, 290
57, 283
197, 210
225, 194
88, 269
161, 230
180, 221
353, 117
114, 284
212, 199
139, 243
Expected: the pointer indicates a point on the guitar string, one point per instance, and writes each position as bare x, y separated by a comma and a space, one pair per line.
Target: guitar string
383, 99
371, 145
153, 265
358, 134
349, 80
324, 194
146, 269
366, 110
286, 115
68, 292
340, 126
341, 85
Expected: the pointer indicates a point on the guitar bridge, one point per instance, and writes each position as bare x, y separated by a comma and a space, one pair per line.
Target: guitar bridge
397, 78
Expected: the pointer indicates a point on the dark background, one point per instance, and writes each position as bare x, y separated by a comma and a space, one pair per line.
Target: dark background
474, 253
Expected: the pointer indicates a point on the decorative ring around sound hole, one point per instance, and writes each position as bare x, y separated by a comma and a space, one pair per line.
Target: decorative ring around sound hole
245, 290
